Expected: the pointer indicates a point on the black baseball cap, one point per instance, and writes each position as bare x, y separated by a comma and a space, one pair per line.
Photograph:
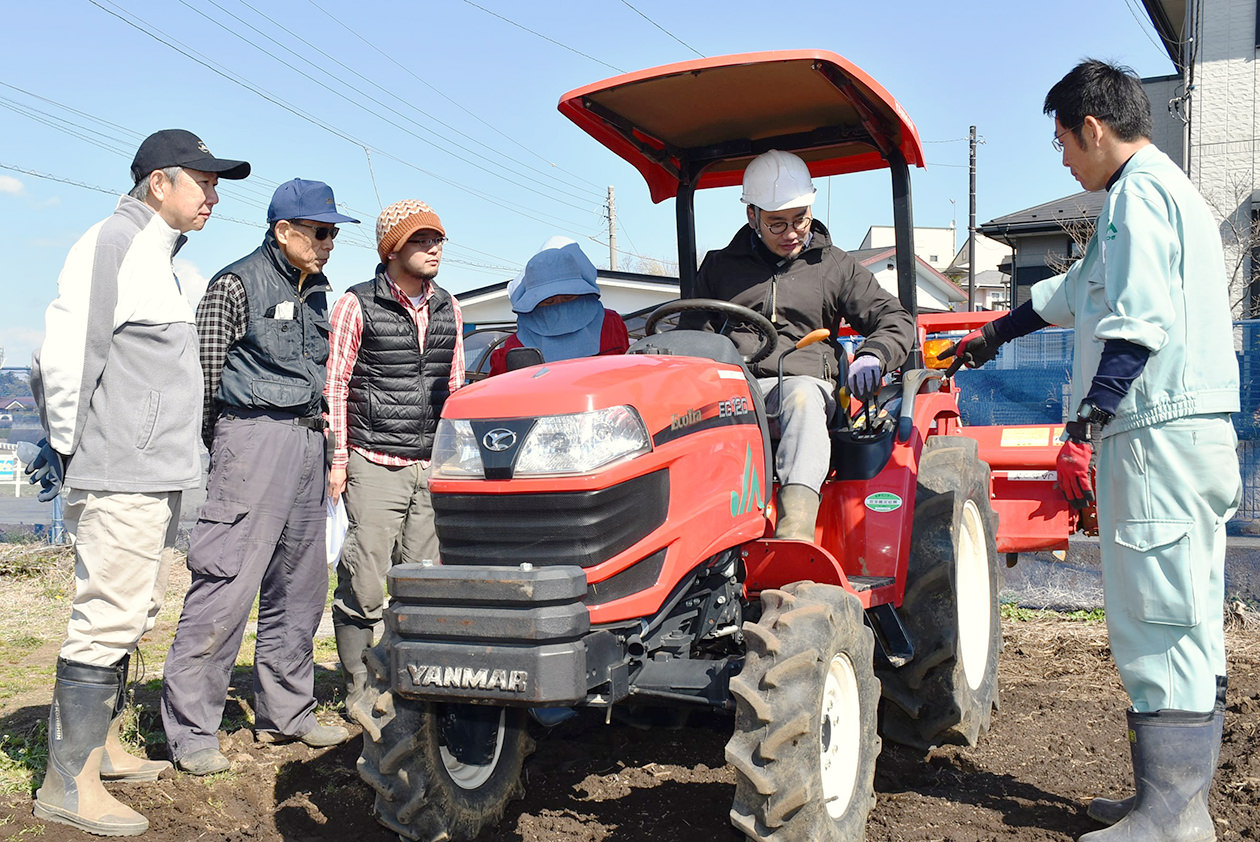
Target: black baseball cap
180, 148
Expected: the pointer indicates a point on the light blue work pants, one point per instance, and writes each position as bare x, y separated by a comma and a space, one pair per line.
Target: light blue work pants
1164, 495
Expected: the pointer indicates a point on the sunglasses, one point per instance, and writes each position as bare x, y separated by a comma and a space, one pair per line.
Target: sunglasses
321, 232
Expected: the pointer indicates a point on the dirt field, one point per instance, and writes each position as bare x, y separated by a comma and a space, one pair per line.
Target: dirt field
1057, 740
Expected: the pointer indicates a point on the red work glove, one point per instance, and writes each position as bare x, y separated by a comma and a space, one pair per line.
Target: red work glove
1075, 467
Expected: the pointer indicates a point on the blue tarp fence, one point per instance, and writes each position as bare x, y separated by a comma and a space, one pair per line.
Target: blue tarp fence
1028, 383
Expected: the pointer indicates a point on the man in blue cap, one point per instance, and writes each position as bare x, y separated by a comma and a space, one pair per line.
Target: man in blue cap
263, 327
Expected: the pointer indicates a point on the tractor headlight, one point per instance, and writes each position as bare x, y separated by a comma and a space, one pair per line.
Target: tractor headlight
581, 443
455, 451
556, 444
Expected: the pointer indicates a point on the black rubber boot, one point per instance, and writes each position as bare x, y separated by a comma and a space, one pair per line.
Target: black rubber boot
798, 512
352, 640
117, 764
1173, 753
78, 722
1108, 811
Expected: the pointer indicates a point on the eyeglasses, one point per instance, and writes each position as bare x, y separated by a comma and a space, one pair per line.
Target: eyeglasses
798, 225
321, 232
427, 243
1057, 143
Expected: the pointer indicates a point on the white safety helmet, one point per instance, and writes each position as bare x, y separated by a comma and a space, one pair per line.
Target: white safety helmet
776, 181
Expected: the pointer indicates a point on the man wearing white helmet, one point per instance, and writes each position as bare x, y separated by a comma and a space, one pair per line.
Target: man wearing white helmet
784, 266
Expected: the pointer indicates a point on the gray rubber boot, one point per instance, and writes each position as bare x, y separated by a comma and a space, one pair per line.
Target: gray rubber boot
798, 512
1108, 811
82, 708
118, 764
1173, 752
352, 640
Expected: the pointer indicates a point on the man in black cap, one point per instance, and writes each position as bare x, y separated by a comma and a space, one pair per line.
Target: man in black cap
264, 342
114, 379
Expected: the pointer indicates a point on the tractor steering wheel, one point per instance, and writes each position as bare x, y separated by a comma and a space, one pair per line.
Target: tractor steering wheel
734, 313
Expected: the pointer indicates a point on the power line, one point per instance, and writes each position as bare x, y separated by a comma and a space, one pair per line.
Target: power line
345, 241
544, 37
153, 32
428, 85
397, 98
663, 29
357, 104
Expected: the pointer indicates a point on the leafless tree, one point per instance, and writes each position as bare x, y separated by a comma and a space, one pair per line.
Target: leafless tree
652, 266
1240, 235
1079, 231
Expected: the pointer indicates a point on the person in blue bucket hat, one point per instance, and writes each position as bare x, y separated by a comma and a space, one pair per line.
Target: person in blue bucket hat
558, 311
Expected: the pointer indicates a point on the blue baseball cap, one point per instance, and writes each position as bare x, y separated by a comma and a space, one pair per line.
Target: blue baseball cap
302, 199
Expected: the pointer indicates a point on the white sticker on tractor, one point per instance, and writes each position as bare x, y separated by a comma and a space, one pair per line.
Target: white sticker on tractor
883, 501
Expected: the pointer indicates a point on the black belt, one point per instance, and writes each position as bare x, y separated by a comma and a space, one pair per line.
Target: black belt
316, 422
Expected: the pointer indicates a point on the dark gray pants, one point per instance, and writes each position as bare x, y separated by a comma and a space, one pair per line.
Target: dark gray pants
260, 532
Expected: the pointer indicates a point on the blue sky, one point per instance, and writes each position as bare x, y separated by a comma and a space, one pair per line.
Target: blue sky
454, 102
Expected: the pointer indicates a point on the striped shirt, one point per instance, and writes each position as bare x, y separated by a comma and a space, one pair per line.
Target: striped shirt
343, 353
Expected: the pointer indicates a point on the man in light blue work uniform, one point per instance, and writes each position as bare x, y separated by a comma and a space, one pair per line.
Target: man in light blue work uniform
1155, 379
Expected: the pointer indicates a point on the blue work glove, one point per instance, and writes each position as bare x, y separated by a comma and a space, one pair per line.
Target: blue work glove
44, 466
864, 376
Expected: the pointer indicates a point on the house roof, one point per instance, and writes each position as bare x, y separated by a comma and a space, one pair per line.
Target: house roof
869, 257
1169, 19
606, 277
1048, 217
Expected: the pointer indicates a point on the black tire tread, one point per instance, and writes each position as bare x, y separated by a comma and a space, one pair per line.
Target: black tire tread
927, 702
777, 695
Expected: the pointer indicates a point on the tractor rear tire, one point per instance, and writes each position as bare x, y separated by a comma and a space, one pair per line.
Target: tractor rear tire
806, 701
422, 791
948, 692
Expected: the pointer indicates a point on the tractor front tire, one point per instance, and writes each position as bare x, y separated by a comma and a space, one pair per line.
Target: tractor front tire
805, 740
423, 792
948, 692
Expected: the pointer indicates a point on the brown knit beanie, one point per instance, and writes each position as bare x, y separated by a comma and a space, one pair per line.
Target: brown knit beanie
399, 221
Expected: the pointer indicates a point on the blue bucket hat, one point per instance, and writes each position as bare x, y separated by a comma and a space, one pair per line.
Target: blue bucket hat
554, 271
302, 199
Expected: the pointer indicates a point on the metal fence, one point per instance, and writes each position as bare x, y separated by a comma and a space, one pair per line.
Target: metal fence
1028, 383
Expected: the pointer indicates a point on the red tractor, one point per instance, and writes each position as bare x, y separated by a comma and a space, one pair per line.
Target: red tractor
606, 523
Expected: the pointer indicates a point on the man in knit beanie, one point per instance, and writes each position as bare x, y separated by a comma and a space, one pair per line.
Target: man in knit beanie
396, 355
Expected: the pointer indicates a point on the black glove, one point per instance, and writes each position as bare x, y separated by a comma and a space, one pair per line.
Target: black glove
44, 466
973, 350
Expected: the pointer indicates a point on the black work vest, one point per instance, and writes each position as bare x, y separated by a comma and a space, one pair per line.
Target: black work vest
397, 392
280, 363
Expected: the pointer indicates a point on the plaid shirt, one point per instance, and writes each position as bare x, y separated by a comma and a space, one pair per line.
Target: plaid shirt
343, 352
222, 317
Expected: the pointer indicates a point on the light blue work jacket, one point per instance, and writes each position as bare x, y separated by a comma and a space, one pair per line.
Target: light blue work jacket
1154, 274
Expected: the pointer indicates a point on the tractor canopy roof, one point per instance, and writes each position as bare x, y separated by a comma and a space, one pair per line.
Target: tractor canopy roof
700, 122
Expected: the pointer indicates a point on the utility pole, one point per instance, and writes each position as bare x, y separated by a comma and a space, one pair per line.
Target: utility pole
971, 230
612, 230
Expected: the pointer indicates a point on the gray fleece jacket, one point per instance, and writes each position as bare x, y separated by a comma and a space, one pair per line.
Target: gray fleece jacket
117, 378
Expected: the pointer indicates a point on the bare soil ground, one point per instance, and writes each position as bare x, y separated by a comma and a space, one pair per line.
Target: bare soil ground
1057, 740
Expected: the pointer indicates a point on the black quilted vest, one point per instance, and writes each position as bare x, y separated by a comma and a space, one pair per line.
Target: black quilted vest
279, 364
397, 392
